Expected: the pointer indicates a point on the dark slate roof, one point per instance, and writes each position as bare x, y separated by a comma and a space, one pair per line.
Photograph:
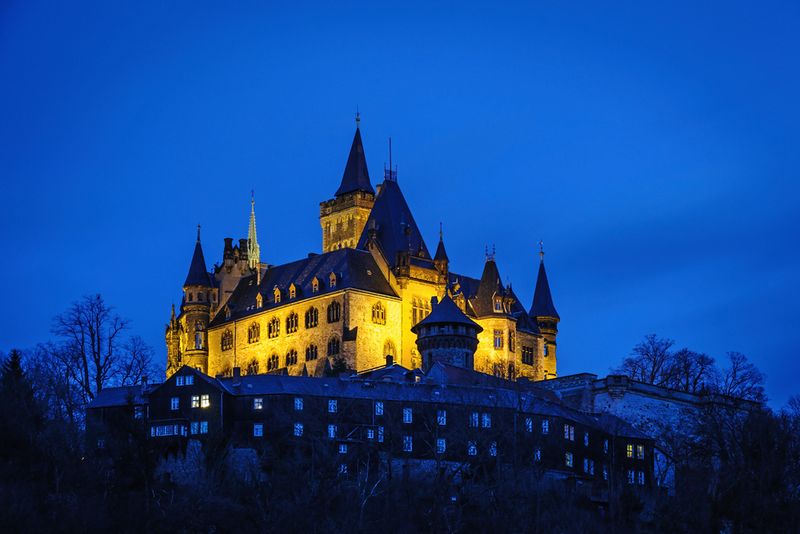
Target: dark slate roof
468, 286
490, 285
198, 274
120, 396
394, 225
446, 312
542, 299
441, 253
354, 269
356, 176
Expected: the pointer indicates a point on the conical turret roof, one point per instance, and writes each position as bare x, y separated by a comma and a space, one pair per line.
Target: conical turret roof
356, 176
441, 253
198, 274
446, 312
542, 299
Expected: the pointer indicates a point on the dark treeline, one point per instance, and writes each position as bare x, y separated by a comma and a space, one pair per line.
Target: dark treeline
737, 470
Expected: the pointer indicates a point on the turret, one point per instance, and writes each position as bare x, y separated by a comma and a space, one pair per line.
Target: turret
543, 311
440, 259
198, 295
446, 335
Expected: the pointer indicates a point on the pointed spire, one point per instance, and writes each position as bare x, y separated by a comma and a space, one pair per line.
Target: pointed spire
356, 176
441, 253
253, 250
198, 274
542, 299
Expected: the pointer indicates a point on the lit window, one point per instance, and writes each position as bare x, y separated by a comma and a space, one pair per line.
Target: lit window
640, 478
640, 452
498, 339
331, 431
292, 291
253, 333
332, 405
473, 419
528, 424
298, 404
273, 328
568, 459
189, 380
291, 323
498, 304
537, 454
226, 341
370, 433
378, 407
545, 426
204, 401
258, 430
332, 280
298, 429
441, 446
174, 403
486, 420
315, 285
631, 476
407, 415
441, 417
493, 448
343, 448
569, 432
585, 465
378, 313
204, 427
179, 381
629, 450
408, 444
138, 412
258, 403
195, 401
472, 448
380, 434
585, 439
194, 428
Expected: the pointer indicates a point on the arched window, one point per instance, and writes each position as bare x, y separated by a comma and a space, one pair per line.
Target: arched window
292, 291
291, 357
332, 280
259, 301
272, 363
333, 346
273, 328
315, 285
254, 333
291, 323
252, 367
334, 312
276, 293
312, 318
198, 335
378, 313
226, 341
311, 353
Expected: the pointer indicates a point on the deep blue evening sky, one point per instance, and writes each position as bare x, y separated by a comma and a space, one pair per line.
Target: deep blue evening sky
653, 147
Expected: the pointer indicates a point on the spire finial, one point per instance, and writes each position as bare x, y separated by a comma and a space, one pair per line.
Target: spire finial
441, 238
390, 173
198, 233
541, 250
486, 251
252, 197
358, 118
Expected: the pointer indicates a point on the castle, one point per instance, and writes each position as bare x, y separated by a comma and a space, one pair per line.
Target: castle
355, 305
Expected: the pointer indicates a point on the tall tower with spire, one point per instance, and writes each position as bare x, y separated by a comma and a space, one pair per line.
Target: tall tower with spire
343, 217
253, 250
544, 313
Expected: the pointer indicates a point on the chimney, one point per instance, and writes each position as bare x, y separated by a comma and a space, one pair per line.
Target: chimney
389, 360
237, 372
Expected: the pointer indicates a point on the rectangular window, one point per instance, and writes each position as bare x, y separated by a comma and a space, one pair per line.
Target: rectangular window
641, 478
298, 429
605, 472
537, 454
258, 403
343, 448
342, 469
529, 424
591, 467
629, 450
370, 433
473, 419
585, 439
441, 446
640, 452
333, 405
138, 412
194, 427
298, 404
493, 448
204, 427
585, 465
498, 339
407, 415
631, 476
568, 459
545, 426
190, 380
486, 420
258, 430
331, 431
472, 448
408, 444
605, 446
378, 407
527, 355
441, 417
569, 432
179, 381
204, 401
195, 401
380, 434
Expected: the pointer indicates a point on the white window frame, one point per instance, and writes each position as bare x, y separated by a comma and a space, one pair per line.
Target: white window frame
195, 401
486, 420
569, 460
441, 445
298, 429
333, 405
408, 416
378, 407
441, 417
179, 381
258, 403
298, 404
408, 443
174, 403
332, 430
205, 400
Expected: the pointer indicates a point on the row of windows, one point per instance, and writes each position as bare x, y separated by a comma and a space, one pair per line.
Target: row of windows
334, 314
639, 451
311, 354
187, 380
315, 284
197, 401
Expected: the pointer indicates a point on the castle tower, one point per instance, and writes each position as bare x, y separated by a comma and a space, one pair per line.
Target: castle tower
173, 338
196, 310
253, 250
446, 335
543, 311
343, 218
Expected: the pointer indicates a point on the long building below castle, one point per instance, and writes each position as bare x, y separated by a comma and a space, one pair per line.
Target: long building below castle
355, 305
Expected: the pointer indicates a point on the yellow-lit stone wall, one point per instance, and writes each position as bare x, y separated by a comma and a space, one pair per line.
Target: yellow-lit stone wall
343, 220
412, 289
373, 338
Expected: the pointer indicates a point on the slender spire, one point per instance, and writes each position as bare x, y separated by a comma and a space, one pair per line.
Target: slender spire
541, 250
198, 233
441, 253
542, 298
356, 176
198, 274
253, 250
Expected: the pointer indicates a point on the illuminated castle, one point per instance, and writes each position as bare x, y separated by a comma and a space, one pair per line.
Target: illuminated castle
355, 304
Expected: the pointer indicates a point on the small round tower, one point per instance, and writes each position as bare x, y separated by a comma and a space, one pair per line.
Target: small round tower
446, 335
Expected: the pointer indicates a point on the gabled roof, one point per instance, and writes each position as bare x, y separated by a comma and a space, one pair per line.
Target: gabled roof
354, 269
198, 275
542, 299
356, 176
446, 312
122, 395
394, 225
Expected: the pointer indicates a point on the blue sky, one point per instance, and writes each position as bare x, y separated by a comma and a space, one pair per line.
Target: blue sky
654, 148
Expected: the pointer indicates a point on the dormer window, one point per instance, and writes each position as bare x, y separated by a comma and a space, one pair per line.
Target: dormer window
332, 280
276, 293
315, 285
498, 304
227, 313
292, 291
259, 301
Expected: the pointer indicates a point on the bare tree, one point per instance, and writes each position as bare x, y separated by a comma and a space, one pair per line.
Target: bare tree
690, 371
137, 364
742, 379
649, 361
